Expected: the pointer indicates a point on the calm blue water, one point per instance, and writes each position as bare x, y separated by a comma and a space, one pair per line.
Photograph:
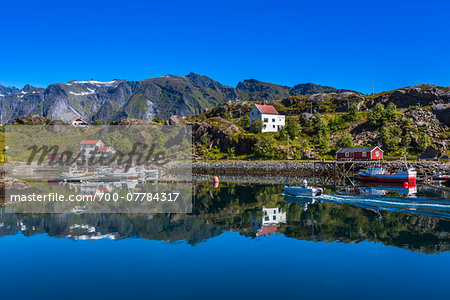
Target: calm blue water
228, 249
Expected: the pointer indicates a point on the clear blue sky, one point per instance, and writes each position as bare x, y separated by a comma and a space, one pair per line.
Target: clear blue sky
345, 44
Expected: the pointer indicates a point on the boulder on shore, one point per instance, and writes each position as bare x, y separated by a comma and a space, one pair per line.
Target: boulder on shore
431, 152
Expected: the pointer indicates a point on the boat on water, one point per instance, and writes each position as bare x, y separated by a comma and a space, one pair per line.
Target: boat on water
75, 174
151, 174
376, 189
380, 174
303, 190
131, 173
304, 201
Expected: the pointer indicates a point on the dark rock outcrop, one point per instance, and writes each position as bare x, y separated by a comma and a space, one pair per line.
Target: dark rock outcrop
431, 152
176, 121
222, 134
129, 122
443, 113
311, 88
418, 95
31, 120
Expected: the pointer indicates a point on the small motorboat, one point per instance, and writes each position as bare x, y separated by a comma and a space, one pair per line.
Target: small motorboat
302, 191
75, 174
131, 173
379, 174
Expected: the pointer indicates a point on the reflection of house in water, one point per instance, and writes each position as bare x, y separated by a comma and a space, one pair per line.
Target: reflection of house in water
269, 223
273, 216
90, 188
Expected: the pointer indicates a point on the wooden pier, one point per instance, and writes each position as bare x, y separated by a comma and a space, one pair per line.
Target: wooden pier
334, 172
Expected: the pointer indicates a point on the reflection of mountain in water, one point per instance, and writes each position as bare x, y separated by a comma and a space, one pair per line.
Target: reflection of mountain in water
256, 210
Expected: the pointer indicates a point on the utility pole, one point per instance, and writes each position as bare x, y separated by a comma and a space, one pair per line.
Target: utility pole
287, 154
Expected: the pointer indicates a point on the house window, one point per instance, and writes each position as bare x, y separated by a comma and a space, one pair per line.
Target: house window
347, 154
252, 114
274, 217
377, 153
273, 126
364, 154
266, 218
266, 120
273, 120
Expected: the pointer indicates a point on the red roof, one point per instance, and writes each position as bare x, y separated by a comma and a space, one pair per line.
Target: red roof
89, 142
103, 148
266, 109
267, 230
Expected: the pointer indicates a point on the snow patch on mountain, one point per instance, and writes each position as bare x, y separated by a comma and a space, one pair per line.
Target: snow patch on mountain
91, 91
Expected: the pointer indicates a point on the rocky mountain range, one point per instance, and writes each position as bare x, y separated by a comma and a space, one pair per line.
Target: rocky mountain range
255, 90
162, 96
186, 96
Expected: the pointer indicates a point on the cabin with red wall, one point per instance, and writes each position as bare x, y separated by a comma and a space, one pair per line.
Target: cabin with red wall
360, 153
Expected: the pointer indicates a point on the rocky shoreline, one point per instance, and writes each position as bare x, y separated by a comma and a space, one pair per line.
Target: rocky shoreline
305, 168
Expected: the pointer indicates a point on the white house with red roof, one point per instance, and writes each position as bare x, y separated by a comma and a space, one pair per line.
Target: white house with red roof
106, 150
272, 120
88, 146
79, 122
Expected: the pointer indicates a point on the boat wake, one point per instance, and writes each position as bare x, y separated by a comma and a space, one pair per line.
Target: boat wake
429, 207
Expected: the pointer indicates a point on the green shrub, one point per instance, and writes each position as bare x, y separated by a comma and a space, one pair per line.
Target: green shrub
292, 128
264, 148
391, 112
388, 138
337, 123
352, 113
345, 141
257, 126
378, 116
97, 122
245, 122
320, 125
227, 116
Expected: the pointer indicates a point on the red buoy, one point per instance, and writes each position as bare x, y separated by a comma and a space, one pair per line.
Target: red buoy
216, 179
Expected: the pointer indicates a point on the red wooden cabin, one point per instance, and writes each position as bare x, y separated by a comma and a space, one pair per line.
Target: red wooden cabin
369, 153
